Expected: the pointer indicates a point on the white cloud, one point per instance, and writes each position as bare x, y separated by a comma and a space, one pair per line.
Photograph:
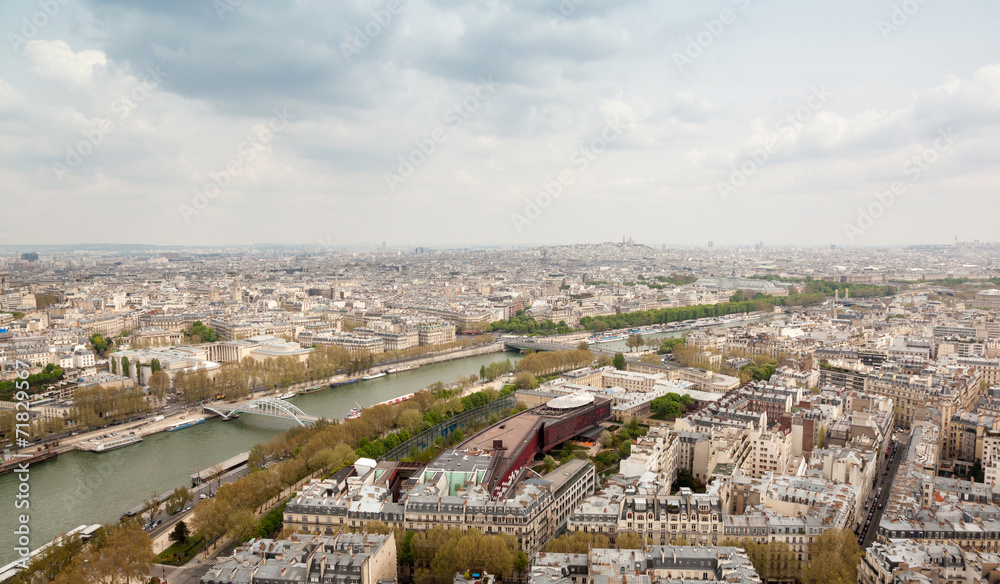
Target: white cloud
57, 61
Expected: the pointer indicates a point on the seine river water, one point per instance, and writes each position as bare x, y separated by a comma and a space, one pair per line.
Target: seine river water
620, 345
83, 487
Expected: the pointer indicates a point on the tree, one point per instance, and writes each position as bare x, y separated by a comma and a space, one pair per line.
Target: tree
635, 341
126, 369
650, 358
619, 361
199, 333
150, 506
583, 346
155, 366
625, 450
667, 346
603, 360
122, 553
525, 380
159, 384
684, 480
180, 533
835, 557
177, 499
577, 542
549, 462
629, 540
666, 406
606, 439
99, 343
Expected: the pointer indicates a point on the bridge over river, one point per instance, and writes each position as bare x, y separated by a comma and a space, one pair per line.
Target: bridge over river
265, 406
524, 344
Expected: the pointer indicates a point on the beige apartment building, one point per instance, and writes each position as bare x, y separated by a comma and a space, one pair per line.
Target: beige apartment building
912, 394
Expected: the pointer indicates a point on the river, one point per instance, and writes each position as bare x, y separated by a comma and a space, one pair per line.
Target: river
84, 488
620, 345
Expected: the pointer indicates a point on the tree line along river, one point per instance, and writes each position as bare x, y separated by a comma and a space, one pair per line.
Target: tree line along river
82, 488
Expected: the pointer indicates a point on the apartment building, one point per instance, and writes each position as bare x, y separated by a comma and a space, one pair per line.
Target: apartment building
356, 344
699, 379
964, 439
347, 558
631, 381
655, 452
904, 560
989, 369
792, 509
769, 453
691, 565
842, 377
590, 376
448, 493
433, 334
659, 519
991, 458
987, 300
949, 393
106, 324
721, 448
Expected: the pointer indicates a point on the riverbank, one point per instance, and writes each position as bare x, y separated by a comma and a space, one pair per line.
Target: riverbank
85, 487
149, 426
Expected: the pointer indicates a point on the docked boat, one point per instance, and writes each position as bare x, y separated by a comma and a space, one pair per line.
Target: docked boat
305, 390
185, 424
19, 461
290, 394
403, 368
109, 444
354, 414
342, 383
397, 400
374, 376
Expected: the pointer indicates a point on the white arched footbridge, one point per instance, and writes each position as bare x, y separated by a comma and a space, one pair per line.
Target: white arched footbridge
265, 406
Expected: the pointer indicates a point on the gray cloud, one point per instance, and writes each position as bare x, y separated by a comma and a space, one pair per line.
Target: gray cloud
562, 70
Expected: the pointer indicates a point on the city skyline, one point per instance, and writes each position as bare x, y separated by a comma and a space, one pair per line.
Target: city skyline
497, 123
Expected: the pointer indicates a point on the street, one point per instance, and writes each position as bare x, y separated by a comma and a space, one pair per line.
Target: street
881, 489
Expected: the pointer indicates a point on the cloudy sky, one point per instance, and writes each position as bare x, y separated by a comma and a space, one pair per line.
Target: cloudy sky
435, 122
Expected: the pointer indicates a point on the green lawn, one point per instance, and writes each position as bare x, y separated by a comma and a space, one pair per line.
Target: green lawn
180, 554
